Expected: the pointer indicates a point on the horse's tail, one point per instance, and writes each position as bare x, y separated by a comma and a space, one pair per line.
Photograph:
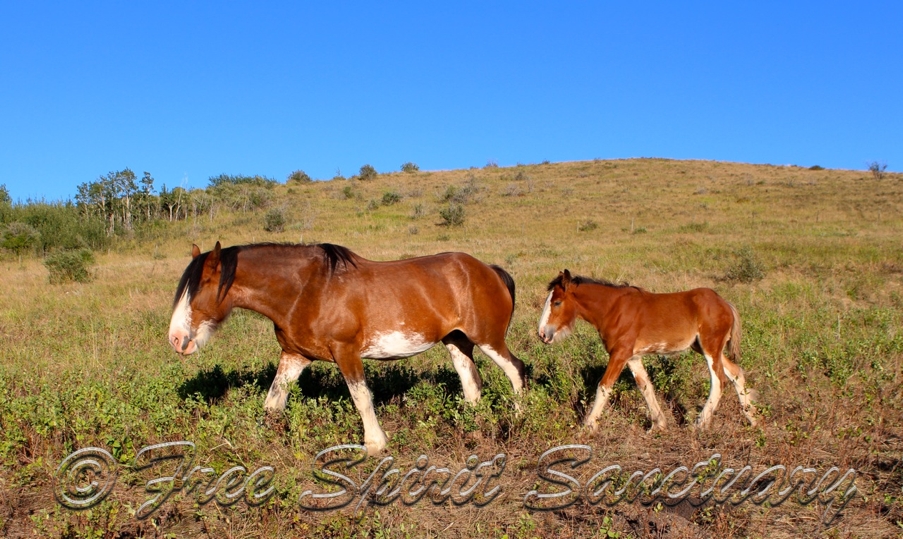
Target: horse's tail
509, 282
736, 334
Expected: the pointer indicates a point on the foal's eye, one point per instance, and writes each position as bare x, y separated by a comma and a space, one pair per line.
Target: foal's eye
557, 304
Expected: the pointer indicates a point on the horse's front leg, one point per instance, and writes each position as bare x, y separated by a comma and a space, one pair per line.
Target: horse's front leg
349, 361
616, 361
290, 368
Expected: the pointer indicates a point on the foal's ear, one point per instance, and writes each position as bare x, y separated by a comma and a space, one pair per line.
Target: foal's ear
195, 251
565, 279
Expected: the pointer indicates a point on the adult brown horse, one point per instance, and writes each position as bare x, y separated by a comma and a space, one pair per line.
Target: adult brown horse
329, 304
633, 322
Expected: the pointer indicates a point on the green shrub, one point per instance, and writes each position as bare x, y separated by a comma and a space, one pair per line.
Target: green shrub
452, 215
67, 266
588, 225
19, 237
274, 221
390, 198
367, 173
748, 267
299, 176
410, 167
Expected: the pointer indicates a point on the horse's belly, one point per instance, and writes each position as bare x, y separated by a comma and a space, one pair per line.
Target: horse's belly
395, 344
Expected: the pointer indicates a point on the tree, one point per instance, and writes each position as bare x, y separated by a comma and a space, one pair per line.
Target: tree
145, 196
299, 176
172, 201
367, 173
124, 188
877, 169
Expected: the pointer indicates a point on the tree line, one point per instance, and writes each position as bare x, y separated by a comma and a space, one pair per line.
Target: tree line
119, 204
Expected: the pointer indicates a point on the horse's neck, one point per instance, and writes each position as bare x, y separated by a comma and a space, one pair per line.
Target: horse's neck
595, 302
270, 285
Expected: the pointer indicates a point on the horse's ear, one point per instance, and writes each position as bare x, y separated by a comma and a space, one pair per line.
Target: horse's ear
195, 251
213, 257
565, 279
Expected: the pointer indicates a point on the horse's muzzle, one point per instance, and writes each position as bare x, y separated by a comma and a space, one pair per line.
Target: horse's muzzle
183, 344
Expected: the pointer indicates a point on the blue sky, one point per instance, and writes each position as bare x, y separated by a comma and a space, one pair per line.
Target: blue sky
190, 90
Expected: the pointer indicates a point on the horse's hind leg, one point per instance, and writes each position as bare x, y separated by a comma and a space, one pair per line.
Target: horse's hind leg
746, 395
461, 351
513, 367
290, 368
642, 381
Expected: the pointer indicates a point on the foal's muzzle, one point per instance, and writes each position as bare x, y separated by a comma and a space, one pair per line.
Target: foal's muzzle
547, 334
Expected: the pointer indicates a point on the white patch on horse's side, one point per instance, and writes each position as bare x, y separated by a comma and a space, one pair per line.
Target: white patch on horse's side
546, 313
374, 437
395, 344
506, 365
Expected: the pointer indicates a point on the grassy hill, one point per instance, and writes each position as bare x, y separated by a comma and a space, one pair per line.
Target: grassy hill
813, 260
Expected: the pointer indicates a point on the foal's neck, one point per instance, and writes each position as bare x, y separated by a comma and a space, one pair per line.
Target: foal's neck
595, 301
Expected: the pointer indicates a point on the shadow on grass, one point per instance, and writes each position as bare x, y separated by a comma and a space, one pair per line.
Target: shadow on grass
592, 375
386, 380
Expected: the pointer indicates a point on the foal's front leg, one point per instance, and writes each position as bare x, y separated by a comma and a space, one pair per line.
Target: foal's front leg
616, 361
349, 362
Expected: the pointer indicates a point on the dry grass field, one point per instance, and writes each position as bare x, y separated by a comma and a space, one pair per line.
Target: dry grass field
812, 259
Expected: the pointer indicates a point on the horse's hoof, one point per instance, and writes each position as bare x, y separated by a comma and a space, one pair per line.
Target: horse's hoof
375, 447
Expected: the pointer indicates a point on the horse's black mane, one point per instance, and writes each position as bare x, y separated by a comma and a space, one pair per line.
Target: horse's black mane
191, 279
578, 280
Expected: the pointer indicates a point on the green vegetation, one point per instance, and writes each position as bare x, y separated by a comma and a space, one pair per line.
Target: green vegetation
367, 172
812, 260
65, 266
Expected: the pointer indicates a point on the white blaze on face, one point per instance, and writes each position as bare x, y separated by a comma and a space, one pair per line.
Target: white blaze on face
395, 344
180, 324
546, 313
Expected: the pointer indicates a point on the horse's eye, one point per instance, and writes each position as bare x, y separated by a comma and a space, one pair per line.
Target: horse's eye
557, 304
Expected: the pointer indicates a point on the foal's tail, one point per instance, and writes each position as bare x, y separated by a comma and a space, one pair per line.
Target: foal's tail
736, 334
509, 282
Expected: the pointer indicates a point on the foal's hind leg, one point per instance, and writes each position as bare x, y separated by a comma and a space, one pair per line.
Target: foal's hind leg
746, 395
461, 351
715, 371
290, 368
642, 381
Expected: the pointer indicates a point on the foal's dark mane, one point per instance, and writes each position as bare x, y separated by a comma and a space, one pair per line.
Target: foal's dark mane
579, 280
334, 255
